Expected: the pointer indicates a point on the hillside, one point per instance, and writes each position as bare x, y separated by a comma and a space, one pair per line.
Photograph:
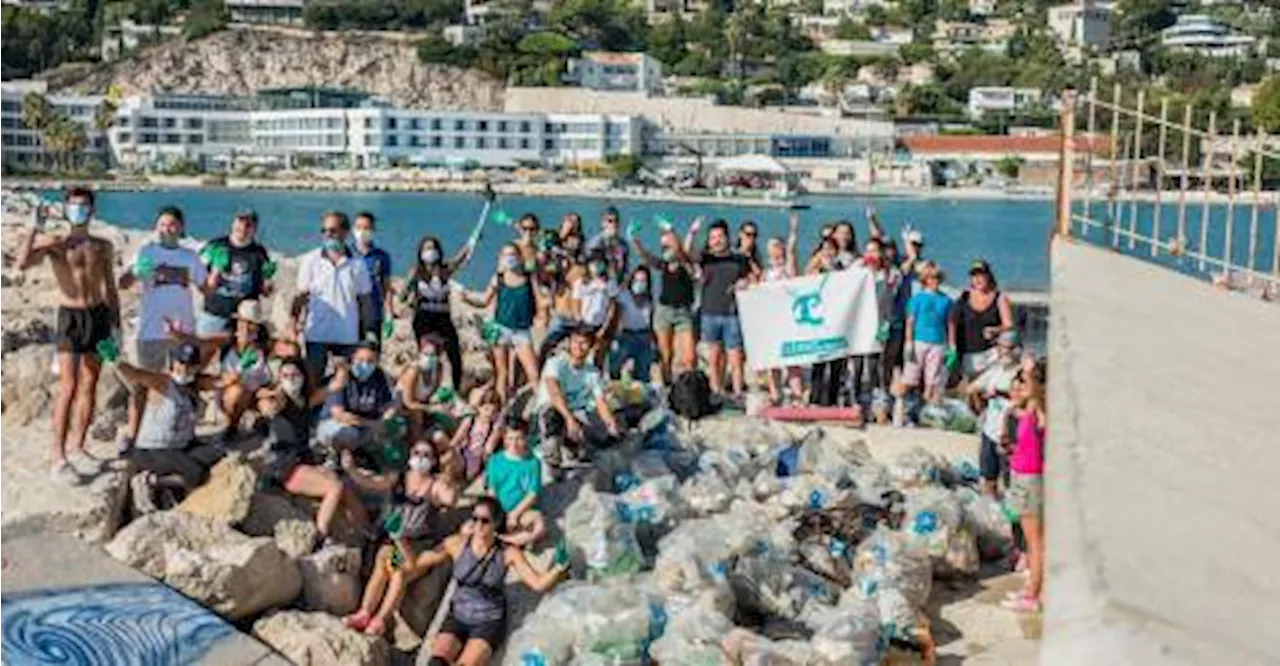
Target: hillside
242, 61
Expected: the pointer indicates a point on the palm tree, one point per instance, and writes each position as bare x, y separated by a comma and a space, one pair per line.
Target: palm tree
38, 114
104, 117
735, 34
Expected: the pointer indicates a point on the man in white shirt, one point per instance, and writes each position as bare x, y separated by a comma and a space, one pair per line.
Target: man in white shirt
336, 292
571, 404
167, 272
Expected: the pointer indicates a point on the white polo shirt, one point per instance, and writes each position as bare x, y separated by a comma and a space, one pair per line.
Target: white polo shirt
333, 308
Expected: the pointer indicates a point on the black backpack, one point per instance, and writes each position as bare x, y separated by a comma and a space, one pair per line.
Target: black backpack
691, 395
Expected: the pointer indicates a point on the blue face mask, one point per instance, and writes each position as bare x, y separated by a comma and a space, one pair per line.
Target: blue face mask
362, 370
640, 288
333, 245
77, 213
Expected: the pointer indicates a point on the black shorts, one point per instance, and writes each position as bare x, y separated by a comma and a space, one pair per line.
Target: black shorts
81, 329
493, 632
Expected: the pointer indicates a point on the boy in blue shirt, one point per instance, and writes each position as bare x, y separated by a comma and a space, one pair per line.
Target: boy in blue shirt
514, 478
930, 335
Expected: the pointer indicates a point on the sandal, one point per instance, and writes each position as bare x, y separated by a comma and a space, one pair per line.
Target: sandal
376, 627
357, 621
1021, 604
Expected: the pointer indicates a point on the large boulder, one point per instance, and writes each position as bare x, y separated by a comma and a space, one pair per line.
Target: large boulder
27, 386
236, 575
319, 639
331, 579
278, 516
228, 493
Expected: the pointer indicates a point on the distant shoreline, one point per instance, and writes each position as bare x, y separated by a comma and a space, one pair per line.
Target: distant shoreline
584, 189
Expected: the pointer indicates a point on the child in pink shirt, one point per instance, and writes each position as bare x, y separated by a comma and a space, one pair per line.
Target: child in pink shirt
1026, 486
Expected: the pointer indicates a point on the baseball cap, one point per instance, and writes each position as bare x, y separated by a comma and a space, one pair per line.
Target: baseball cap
186, 354
250, 310
611, 210
979, 266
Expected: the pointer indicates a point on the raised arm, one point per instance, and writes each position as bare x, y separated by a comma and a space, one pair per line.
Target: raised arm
646, 258
874, 227
691, 236
460, 259
406, 386
538, 581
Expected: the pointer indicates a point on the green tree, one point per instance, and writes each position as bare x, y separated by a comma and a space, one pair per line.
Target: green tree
612, 25
623, 167
1266, 105
669, 41
1009, 166
1138, 21
206, 17
848, 28
876, 15
916, 52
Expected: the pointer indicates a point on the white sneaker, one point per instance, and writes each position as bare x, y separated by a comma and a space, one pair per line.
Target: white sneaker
63, 472
142, 487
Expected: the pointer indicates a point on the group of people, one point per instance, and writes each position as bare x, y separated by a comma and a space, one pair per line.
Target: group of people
389, 453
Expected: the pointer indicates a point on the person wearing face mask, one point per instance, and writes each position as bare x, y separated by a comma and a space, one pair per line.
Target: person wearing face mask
166, 272
428, 291
378, 264
610, 244
597, 298
989, 396
479, 434
88, 313
291, 463
515, 300
359, 400
166, 453
417, 386
237, 263
417, 496
872, 367
635, 337
336, 293
827, 378
673, 323
782, 266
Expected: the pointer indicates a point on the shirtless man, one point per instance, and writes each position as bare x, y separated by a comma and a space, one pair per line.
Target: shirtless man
88, 313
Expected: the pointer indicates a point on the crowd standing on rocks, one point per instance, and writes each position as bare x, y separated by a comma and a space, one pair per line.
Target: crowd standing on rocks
345, 451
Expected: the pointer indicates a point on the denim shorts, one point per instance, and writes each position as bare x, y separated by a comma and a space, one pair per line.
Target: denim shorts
723, 329
513, 337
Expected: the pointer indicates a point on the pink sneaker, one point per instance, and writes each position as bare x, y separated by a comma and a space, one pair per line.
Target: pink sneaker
1021, 604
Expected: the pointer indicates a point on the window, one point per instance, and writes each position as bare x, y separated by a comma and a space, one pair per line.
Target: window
368, 123
122, 122
170, 122
391, 123
549, 144
435, 124
124, 137
482, 125
413, 123
8, 123
481, 142
7, 139
368, 140
148, 138
502, 125
525, 127
413, 140
173, 139
502, 143
194, 123
436, 142
195, 139
459, 142
392, 140
148, 121
524, 144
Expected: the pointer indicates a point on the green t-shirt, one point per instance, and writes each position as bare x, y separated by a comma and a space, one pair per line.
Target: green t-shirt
511, 479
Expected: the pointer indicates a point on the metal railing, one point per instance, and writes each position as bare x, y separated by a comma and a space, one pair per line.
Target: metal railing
1159, 187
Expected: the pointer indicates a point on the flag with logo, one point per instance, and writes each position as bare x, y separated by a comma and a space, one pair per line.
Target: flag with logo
810, 319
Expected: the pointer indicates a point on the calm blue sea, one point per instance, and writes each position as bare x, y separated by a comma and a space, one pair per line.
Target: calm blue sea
1010, 234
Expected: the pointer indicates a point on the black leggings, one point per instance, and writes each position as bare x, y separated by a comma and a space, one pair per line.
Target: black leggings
890, 359
440, 324
870, 365
828, 379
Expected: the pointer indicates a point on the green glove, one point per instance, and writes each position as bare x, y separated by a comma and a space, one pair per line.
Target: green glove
951, 358
221, 258
248, 359
108, 350
490, 332
397, 557
444, 394
392, 456
394, 523
395, 427
562, 553
502, 217
665, 221
633, 228
388, 328
145, 268
882, 334
269, 269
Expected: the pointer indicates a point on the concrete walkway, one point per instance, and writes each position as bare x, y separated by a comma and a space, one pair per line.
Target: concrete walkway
1163, 458
66, 602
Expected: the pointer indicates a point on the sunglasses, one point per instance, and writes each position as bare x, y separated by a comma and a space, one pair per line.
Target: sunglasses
748, 232
529, 229
331, 231
482, 520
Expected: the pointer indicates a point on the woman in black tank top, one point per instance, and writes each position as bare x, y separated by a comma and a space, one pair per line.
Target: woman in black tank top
427, 290
977, 329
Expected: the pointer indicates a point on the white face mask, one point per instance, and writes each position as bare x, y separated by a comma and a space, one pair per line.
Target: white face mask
430, 255
292, 386
363, 236
182, 378
420, 463
508, 262
428, 362
77, 213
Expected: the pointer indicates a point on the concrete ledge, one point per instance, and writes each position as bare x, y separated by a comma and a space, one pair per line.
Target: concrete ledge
1164, 398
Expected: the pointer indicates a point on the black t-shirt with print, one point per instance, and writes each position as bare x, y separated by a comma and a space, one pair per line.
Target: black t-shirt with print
241, 280
367, 399
720, 274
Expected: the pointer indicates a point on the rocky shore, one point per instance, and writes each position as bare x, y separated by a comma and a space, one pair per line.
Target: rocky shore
249, 555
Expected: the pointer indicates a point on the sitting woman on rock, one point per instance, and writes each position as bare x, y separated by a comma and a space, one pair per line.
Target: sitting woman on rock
292, 464
417, 387
477, 620
408, 520
479, 434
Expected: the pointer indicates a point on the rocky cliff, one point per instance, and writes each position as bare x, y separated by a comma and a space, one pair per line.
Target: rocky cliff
242, 61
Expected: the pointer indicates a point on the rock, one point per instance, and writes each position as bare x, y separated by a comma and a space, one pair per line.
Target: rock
296, 537
92, 511
235, 575
319, 639
27, 386
422, 599
228, 493
331, 580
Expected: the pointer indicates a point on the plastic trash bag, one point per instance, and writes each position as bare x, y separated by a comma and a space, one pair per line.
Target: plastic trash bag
599, 526
850, 635
540, 641
750, 649
707, 493
655, 501
985, 516
935, 520
889, 559
917, 468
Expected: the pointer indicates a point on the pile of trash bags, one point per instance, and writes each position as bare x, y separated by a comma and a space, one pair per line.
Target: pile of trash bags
757, 544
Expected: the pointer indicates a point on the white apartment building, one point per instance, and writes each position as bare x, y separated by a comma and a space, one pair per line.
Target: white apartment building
127, 35
951, 38
278, 12
1202, 35
982, 7
22, 146
603, 70
1082, 23
848, 7
1001, 98
220, 132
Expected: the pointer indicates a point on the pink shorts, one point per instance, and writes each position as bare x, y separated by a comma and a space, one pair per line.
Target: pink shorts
928, 367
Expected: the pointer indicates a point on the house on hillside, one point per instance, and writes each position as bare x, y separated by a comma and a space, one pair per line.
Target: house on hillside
950, 38
1202, 35
621, 72
1083, 23
120, 39
983, 99
274, 12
